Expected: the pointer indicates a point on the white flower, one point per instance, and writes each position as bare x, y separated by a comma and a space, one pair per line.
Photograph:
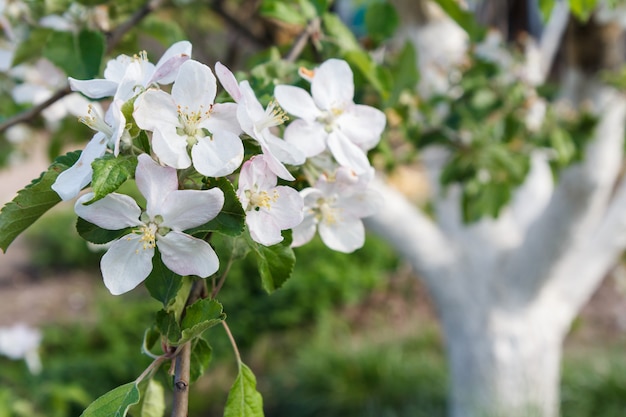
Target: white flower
110, 131
257, 123
168, 212
188, 118
329, 118
21, 342
123, 74
269, 208
336, 206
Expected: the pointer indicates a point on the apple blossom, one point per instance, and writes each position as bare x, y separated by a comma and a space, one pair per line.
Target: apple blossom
132, 72
21, 341
169, 211
336, 206
269, 208
329, 118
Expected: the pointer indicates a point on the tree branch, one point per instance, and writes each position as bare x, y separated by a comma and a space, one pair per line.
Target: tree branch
113, 38
181, 382
311, 30
218, 8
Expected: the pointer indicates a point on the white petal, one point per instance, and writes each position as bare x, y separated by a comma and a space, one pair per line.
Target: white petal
116, 68
256, 173
126, 264
347, 153
187, 255
94, 88
275, 165
363, 125
284, 151
69, 183
333, 86
223, 117
113, 212
263, 229
155, 108
166, 69
155, 182
195, 87
304, 232
228, 81
184, 209
310, 138
296, 101
288, 210
219, 155
345, 236
171, 148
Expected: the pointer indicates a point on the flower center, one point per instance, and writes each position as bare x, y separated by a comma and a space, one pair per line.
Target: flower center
327, 213
328, 119
261, 199
148, 235
96, 122
274, 116
189, 121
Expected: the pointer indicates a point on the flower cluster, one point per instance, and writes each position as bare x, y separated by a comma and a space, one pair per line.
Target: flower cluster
315, 176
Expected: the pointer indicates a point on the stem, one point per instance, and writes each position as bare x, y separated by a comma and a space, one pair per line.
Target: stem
312, 28
232, 342
154, 365
181, 382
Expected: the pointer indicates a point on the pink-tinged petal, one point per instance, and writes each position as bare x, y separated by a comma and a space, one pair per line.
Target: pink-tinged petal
167, 68
363, 125
155, 182
223, 117
288, 209
333, 85
155, 108
113, 212
250, 103
347, 153
310, 138
187, 255
296, 101
345, 236
284, 151
195, 87
69, 183
304, 232
263, 228
126, 264
219, 155
184, 209
171, 148
275, 165
94, 88
228, 81
255, 172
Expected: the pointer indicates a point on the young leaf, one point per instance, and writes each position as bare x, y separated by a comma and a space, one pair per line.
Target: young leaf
201, 354
152, 402
168, 326
114, 403
275, 262
243, 399
109, 173
94, 234
230, 220
162, 283
381, 21
32, 201
199, 316
79, 55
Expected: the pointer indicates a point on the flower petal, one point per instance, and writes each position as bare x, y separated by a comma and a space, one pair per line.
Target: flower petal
69, 183
288, 209
347, 153
345, 236
195, 87
284, 151
126, 264
263, 228
166, 69
219, 155
296, 101
223, 117
187, 255
228, 81
333, 85
309, 137
94, 88
304, 232
155, 182
155, 108
113, 212
363, 125
171, 148
184, 209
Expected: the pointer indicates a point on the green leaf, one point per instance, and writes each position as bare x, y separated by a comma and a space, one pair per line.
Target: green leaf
582, 9
546, 7
230, 221
404, 73
243, 399
381, 21
374, 74
114, 403
31, 47
150, 338
165, 31
336, 30
201, 354
200, 316
168, 326
162, 283
94, 234
283, 11
79, 55
152, 400
464, 18
32, 201
109, 173
275, 262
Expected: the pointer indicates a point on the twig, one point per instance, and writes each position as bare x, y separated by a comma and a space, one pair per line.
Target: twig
311, 29
234, 23
180, 406
232, 342
113, 39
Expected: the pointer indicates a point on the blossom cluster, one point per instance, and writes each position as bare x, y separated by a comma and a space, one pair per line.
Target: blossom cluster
314, 177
